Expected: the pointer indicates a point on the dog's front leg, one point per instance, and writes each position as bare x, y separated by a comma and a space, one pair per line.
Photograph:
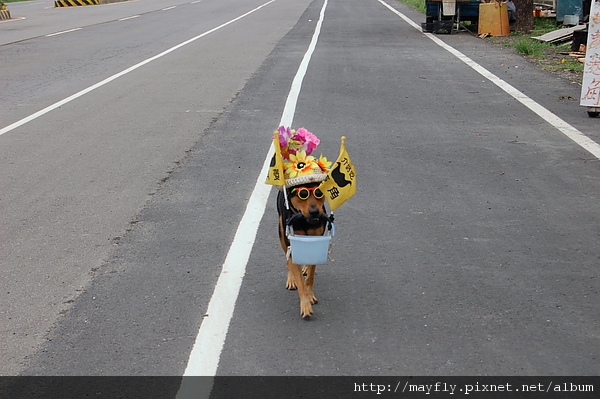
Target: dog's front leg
305, 298
290, 283
309, 272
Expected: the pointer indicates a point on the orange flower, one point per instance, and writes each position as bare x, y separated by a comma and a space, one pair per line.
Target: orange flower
323, 163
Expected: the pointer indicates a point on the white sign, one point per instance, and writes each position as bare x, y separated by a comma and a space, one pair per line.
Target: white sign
590, 90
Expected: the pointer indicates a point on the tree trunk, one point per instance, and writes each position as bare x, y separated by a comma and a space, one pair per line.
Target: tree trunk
524, 13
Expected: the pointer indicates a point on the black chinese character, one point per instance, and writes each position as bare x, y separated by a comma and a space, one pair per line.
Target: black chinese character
334, 192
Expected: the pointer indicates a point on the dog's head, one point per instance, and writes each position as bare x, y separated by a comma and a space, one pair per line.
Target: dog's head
309, 200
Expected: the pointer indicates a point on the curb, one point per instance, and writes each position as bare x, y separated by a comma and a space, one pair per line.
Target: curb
4, 14
69, 3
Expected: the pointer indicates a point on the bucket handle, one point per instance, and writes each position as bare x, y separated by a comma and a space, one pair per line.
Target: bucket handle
289, 230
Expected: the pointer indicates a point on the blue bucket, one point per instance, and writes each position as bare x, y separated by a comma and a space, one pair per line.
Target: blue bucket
310, 250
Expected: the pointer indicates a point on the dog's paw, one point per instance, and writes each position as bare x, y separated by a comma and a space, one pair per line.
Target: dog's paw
305, 270
291, 285
311, 296
306, 309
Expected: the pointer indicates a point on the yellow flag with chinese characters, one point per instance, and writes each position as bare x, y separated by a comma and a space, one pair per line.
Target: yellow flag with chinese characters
275, 173
340, 183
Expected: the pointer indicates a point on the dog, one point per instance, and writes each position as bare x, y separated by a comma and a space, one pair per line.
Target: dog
307, 216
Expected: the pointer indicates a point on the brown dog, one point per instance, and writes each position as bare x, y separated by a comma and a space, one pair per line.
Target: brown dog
307, 216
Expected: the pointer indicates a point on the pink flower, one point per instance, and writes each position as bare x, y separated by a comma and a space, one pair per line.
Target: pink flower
285, 135
285, 140
291, 141
309, 141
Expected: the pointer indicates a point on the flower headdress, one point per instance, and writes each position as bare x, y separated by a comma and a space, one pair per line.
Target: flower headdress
300, 167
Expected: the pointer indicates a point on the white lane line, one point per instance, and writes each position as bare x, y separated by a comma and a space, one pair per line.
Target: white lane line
122, 73
568, 130
168, 8
126, 18
204, 357
64, 31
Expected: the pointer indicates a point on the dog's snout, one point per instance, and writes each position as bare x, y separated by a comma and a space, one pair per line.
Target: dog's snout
314, 213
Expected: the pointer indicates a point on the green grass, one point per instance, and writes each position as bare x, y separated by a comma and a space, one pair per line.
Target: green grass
525, 45
543, 25
418, 4
568, 63
530, 47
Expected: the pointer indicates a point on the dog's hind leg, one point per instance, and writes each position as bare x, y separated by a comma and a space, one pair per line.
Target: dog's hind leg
305, 297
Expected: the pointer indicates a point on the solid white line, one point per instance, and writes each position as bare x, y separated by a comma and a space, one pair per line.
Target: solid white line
126, 18
118, 75
65, 31
205, 355
568, 130
290, 104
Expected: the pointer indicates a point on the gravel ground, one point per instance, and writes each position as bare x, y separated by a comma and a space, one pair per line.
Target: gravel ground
551, 61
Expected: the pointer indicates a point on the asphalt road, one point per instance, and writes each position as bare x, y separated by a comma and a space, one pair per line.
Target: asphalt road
471, 247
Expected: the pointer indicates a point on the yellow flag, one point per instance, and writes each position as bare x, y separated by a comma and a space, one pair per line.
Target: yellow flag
340, 183
275, 174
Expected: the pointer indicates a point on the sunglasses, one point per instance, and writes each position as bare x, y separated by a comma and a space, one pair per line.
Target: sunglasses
304, 192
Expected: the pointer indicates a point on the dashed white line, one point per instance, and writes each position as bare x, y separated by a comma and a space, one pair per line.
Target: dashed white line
118, 75
64, 31
126, 18
168, 8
